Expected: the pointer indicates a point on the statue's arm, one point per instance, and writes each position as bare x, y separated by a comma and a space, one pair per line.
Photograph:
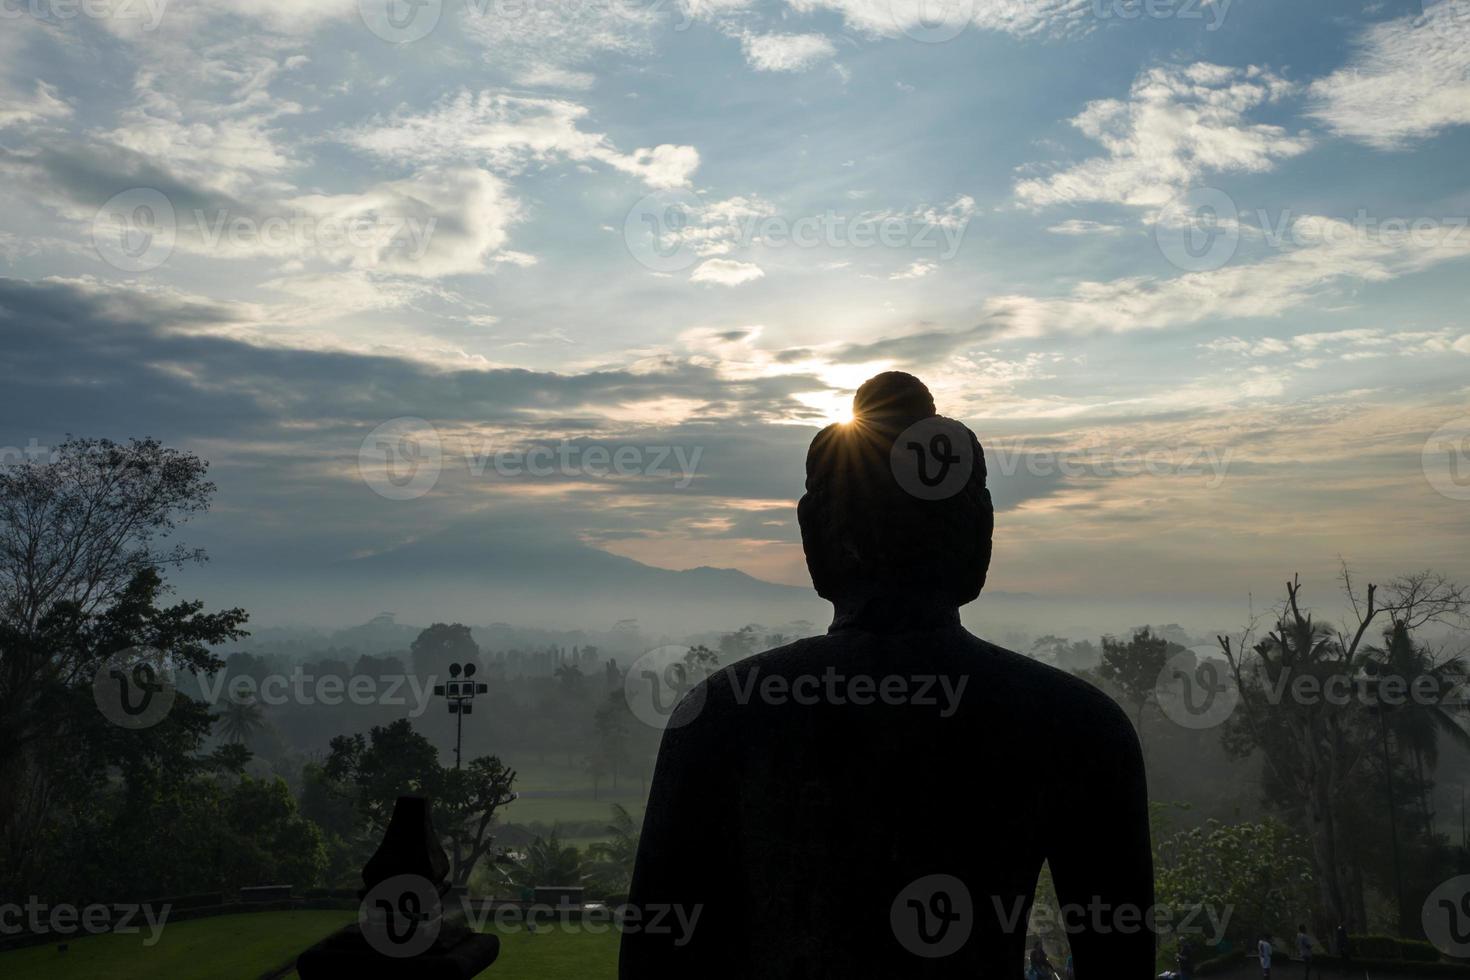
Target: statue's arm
682, 893
1102, 862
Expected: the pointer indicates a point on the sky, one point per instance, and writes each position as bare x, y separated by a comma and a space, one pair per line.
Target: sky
413, 274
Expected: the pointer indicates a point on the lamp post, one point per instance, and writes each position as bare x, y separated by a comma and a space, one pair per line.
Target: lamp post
461, 697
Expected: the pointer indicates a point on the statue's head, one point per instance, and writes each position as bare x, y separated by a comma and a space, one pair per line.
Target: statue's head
895, 500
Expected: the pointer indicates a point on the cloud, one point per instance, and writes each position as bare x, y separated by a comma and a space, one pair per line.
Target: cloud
1082, 226
892, 18
42, 104
1316, 348
1178, 124
1324, 254
1409, 79
545, 41
786, 52
917, 269
726, 272
508, 132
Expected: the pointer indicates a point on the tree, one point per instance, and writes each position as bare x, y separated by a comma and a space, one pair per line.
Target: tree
472, 798
395, 760
1135, 667
1420, 726
78, 528
441, 645
1259, 873
240, 719
1313, 746
611, 732
548, 861
80, 555
612, 860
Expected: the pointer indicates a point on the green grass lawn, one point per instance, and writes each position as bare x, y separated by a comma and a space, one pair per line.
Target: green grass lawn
242, 947
225, 946
577, 806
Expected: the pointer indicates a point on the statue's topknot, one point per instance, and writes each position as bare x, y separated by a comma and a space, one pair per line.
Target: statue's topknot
892, 394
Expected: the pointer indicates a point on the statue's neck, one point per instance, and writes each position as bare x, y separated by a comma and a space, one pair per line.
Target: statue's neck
891, 612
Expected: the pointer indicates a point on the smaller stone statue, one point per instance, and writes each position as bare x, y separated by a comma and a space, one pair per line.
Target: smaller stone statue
405, 928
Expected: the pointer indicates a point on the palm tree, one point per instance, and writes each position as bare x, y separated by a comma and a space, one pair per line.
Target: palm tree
612, 863
1417, 731
240, 719
547, 861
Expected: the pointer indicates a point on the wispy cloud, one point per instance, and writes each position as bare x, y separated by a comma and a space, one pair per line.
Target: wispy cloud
1409, 79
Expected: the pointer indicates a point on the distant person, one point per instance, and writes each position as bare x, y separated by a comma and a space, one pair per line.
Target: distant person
1344, 947
832, 812
1184, 961
1263, 950
1304, 949
1040, 968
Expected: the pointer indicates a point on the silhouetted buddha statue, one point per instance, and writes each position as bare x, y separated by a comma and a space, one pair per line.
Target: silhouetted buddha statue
878, 801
